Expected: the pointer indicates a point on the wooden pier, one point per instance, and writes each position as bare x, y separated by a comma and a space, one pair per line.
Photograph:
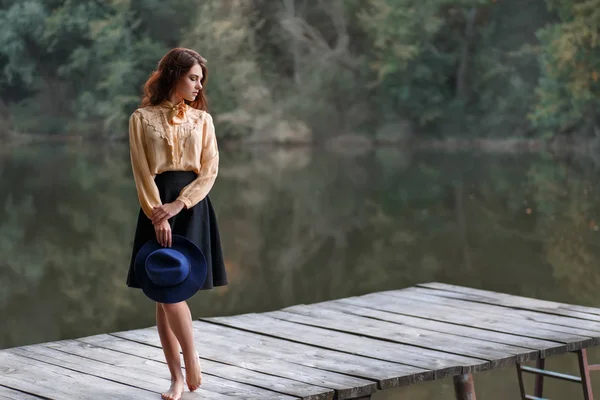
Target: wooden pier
341, 349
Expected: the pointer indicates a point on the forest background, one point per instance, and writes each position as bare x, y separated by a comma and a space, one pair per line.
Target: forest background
310, 70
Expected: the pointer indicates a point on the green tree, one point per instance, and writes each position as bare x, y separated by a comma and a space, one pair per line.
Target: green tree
81, 62
421, 53
568, 92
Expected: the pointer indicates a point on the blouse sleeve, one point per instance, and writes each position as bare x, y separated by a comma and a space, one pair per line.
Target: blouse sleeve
197, 190
144, 181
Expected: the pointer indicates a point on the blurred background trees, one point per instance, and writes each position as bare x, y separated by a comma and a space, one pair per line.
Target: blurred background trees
301, 70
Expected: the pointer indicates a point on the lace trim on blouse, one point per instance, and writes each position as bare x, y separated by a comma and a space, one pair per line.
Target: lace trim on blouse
175, 135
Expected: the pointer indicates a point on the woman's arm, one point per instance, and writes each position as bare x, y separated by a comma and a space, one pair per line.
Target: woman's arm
197, 190
144, 181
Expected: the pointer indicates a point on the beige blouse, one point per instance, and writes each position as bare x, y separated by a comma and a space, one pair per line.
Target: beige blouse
171, 137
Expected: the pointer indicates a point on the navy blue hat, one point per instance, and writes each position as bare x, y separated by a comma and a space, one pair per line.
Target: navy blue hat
170, 274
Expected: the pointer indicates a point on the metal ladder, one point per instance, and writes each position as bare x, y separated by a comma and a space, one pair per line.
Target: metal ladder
540, 373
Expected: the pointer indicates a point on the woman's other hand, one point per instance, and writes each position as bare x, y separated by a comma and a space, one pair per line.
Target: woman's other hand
163, 233
162, 213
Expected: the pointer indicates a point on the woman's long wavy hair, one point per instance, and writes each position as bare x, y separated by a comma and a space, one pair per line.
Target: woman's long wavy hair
175, 64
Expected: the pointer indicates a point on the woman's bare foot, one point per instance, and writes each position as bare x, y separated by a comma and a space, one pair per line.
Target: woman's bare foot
175, 391
193, 373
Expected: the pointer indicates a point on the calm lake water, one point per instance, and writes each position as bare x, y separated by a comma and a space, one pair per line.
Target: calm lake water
302, 226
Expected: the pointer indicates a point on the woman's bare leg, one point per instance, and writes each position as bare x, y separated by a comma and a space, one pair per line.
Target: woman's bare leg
180, 322
170, 347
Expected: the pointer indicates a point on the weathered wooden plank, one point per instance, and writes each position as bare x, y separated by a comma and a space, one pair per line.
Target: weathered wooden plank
11, 394
545, 321
442, 363
526, 303
482, 311
213, 379
545, 347
345, 386
85, 366
472, 319
46, 380
388, 374
266, 381
499, 355
134, 371
137, 365
587, 327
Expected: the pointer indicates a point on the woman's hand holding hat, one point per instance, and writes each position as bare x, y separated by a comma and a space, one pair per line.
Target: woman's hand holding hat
163, 233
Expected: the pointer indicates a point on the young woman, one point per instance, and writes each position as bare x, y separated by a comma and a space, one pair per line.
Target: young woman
175, 160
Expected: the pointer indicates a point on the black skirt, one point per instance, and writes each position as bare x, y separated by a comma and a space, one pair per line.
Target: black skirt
198, 224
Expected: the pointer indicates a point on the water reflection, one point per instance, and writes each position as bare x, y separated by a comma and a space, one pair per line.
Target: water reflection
300, 226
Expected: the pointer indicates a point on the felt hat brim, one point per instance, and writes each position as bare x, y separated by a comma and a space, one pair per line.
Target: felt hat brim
185, 289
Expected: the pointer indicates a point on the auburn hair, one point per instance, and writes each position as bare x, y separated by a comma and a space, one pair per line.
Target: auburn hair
175, 64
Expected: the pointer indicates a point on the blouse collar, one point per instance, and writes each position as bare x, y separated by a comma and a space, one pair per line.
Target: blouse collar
176, 112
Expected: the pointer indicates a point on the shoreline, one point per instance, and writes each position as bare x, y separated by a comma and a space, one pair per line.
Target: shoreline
451, 144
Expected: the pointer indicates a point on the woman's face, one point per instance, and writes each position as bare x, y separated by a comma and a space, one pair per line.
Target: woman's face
189, 84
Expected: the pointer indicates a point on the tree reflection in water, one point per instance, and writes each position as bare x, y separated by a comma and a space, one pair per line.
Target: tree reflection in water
299, 226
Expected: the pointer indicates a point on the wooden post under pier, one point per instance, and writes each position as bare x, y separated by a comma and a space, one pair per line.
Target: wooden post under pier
464, 387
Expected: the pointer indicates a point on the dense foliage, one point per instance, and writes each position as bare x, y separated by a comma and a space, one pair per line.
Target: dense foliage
309, 69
